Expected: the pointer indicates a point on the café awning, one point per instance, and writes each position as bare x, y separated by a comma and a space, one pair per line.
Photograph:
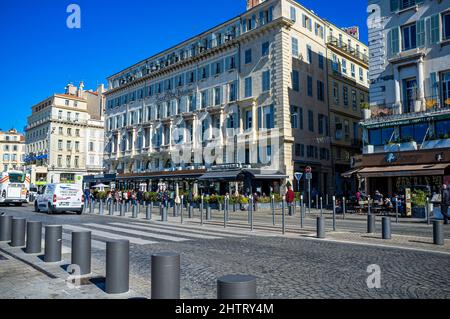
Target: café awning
349, 173
404, 170
228, 175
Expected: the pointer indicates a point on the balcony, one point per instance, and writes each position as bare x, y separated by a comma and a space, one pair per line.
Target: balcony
348, 50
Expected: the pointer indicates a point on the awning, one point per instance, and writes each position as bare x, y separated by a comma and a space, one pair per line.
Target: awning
404, 170
349, 173
266, 174
229, 175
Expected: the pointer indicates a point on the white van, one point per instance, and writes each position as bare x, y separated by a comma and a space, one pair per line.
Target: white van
54, 198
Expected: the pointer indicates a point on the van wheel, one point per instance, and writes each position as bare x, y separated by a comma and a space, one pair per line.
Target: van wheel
18, 204
80, 212
36, 208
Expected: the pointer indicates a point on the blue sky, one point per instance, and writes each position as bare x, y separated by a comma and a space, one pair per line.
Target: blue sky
39, 55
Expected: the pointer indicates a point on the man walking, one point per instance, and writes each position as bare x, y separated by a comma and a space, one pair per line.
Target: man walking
445, 203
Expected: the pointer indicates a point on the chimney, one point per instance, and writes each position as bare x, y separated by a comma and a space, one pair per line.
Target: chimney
253, 3
71, 89
81, 89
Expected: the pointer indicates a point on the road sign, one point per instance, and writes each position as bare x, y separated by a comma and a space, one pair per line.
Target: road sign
298, 176
308, 170
308, 176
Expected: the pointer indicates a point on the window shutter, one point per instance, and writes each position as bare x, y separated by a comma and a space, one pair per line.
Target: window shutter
434, 29
394, 41
272, 116
434, 86
394, 5
259, 117
420, 33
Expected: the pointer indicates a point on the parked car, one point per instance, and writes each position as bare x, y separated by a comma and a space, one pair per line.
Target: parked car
32, 194
54, 198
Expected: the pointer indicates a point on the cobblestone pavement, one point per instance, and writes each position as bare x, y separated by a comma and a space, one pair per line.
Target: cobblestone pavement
290, 266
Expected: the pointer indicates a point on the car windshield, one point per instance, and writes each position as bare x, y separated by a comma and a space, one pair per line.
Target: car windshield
16, 178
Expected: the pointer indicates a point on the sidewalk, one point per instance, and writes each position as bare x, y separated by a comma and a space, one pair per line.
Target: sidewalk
25, 276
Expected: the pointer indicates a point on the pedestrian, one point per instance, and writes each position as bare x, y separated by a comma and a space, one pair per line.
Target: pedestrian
358, 196
290, 197
445, 203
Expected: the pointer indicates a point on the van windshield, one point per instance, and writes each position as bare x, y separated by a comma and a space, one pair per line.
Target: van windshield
16, 178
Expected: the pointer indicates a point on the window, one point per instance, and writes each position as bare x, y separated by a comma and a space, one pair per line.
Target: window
321, 60
300, 115
266, 117
293, 14
307, 22
69, 145
91, 146
336, 92
67, 102
295, 47
77, 132
68, 160
321, 122
248, 87
60, 145
69, 132
310, 86
320, 91
265, 49
295, 80
446, 26
204, 96
354, 100
311, 121
77, 117
217, 96
344, 66
309, 54
69, 116
319, 30
77, 146
248, 56
297, 150
361, 74
77, 161
60, 115
60, 131
266, 81
248, 120
403, 4
233, 91
59, 163
353, 68
345, 94
409, 37
294, 117
379, 137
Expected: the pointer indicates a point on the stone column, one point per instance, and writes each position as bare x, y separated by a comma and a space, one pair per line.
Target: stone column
398, 104
419, 104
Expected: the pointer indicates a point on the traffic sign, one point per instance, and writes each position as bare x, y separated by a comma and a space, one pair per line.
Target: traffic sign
308, 176
308, 170
298, 176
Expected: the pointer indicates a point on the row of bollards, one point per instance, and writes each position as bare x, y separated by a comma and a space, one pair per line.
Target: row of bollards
165, 266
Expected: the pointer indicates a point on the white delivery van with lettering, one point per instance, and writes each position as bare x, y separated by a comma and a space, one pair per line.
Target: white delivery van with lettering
53, 198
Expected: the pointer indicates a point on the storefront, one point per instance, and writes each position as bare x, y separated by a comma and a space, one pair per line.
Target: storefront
92, 180
392, 173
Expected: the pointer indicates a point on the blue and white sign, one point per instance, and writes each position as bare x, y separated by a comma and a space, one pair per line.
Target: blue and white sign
298, 176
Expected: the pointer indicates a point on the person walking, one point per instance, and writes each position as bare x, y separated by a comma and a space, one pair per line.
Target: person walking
290, 197
445, 203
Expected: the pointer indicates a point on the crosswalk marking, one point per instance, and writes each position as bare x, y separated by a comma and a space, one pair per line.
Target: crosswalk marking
186, 228
139, 233
109, 235
168, 231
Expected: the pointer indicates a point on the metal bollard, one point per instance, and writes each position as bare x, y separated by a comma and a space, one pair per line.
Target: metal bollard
5, 228
396, 211
438, 232
148, 211
166, 276
111, 209
164, 214
208, 212
53, 244
34, 238
344, 208
18, 232
321, 206
317, 201
122, 209
321, 227
127, 207
175, 213
116, 207
117, 267
138, 208
134, 211
283, 217
370, 224
427, 211
301, 217
272, 206
236, 287
101, 207
386, 228
190, 210
251, 213
334, 213
91, 206
81, 251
